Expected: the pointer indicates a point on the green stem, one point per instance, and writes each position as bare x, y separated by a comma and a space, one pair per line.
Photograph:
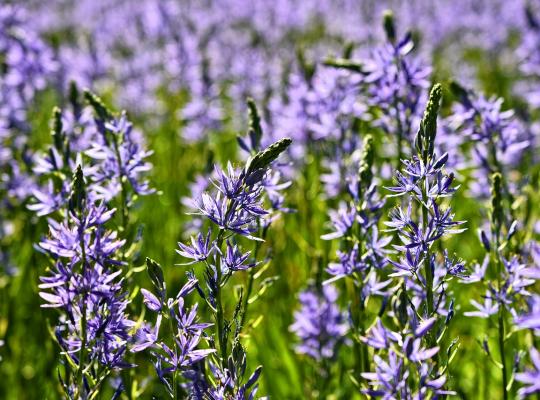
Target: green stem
501, 350
365, 367
427, 261
251, 279
83, 351
500, 317
359, 352
395, 104
219, 305
124, 209
431, 338
174, 380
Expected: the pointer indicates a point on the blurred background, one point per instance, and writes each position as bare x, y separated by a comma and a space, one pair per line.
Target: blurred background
183, 70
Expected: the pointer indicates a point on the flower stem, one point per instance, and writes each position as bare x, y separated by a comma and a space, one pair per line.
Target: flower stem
500, 319
219, 305
427, 259
251, 279
174, 374
82, 353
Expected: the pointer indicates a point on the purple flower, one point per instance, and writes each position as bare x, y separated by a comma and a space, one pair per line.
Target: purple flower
342, 220
233, 218
454, 267
499, 138
531, 320
416, 352
349, 262
484, 310
530, 377
234, 260
182, 352
319, 324
379, 337
396, 84
151, 301
418, 236
146, 336
124, 158
200, 249
409, 264
83, 285
390, 378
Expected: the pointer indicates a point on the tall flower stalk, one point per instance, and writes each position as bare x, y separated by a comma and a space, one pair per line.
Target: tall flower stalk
506, 278
272, 186
362, 249
393, 85
235, 210
421, 310
84, 284
87, 256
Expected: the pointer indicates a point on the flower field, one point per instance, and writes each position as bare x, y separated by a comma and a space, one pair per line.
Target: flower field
247, 199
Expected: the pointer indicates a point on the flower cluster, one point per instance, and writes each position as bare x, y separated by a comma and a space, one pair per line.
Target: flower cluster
111, 152
84, 284
319, 323
396, 83
27, 65
355, 223
182, 355
507, 278
499, 138
403, 358
425, 185
406, 360
235, 208
84, 280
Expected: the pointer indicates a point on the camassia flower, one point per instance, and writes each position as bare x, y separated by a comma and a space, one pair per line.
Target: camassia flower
107, 147
403, 355
421, 220
88, 258
85, 285
499, 139
530, 377
233, 204
319, 323
425, 185
181, 354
